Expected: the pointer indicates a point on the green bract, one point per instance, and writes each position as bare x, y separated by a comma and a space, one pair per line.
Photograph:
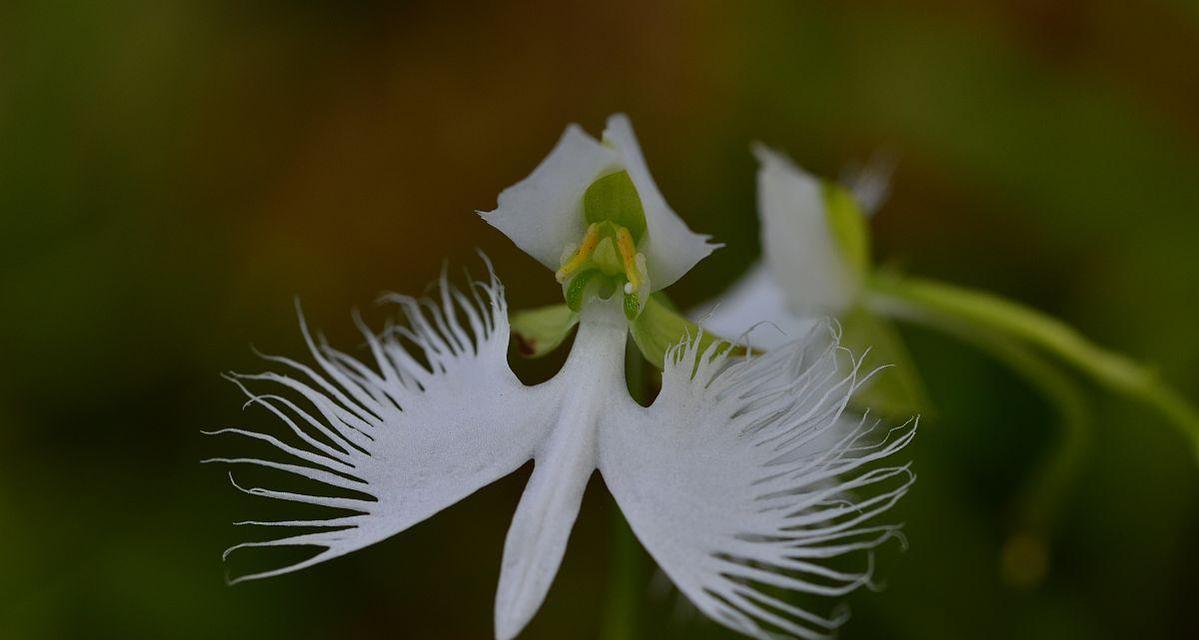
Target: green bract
848, 228
540, 331
659, 327
900, 392
656, 329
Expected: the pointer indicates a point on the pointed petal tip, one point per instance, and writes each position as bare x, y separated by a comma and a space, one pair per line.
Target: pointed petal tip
575, 128
618, 120
760, 149
766, 154
543, 212
771, 158
507, 626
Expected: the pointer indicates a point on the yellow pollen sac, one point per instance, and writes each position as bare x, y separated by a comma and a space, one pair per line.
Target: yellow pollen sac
628, 253
591, 239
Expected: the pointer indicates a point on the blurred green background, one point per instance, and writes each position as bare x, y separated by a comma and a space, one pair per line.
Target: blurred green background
173, 173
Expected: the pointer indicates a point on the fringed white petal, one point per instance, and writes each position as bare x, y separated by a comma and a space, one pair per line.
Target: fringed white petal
543, 213
797, 243
436, 415
670, 247
754, 311
734, 483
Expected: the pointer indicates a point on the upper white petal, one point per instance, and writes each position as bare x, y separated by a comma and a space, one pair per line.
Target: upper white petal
405, 436
670, 247
797, 243
756, 308
543, 213
733, 484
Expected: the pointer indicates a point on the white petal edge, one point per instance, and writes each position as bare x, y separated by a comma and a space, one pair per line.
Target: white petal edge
434, 417
754, 312
720, 482
543, 213
671, 248
797, 244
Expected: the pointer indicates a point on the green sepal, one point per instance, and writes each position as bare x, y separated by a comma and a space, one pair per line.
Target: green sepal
847, 224
540, 331
613, 198
897, 392
659, 327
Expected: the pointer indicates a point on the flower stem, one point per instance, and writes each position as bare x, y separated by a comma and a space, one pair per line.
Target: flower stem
626, 574
1025, 558
625, 585
914, 299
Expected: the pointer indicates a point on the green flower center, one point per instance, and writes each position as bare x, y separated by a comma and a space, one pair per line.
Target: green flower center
606, 258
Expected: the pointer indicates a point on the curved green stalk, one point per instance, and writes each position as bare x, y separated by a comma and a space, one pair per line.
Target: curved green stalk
1052, 481
1025, 556
912, 297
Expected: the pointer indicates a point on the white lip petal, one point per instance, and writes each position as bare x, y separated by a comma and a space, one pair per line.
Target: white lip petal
670, 248
797, 244
536, 541
589, 385
401, 439
754, 307
724, 482
543, 213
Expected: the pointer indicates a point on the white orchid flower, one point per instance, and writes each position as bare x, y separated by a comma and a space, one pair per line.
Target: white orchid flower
815, 252
718, 477
816, 261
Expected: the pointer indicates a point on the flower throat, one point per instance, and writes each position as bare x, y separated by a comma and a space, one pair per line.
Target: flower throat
606, 259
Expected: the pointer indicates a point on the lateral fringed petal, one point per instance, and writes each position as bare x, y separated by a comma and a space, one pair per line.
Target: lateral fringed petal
434, 416
723, 482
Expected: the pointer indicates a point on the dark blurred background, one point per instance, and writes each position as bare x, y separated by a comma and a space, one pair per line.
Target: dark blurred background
172, 174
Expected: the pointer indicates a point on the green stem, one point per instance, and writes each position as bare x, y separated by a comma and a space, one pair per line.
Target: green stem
1051, 482
1025, 557
911, 298
625, 586
626, 581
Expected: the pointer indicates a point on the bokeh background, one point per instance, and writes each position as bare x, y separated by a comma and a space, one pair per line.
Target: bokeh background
173, 173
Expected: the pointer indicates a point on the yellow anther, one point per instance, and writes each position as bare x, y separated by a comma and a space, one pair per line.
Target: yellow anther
628, 253
591, 239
